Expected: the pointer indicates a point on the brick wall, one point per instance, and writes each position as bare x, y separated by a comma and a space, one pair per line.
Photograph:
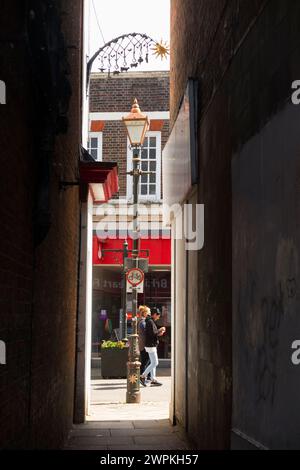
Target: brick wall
206, 46
38, 286
115, 150
116, 94
206, 42
16, 247
203, 42
245, 56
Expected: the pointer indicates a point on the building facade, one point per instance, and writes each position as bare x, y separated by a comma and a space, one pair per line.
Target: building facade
110, 99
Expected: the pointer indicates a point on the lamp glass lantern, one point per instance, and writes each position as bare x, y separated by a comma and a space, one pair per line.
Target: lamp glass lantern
137, 124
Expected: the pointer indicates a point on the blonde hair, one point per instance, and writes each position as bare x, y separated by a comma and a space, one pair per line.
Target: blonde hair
144, 310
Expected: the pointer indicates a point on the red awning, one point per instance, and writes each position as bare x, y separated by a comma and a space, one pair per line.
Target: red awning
101, 178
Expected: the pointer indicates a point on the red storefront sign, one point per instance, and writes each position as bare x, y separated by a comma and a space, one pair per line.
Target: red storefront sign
159, 250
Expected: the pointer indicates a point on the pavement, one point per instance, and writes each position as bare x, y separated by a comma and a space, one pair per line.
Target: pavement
127, 435
112, 424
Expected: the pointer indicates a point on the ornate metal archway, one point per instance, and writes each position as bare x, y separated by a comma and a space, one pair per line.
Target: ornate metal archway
126, 52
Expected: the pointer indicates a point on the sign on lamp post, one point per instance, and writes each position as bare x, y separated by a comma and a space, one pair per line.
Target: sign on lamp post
135, 278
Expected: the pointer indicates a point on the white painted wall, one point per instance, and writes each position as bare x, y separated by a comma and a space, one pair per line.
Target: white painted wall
84, 319
88, 306
118, 115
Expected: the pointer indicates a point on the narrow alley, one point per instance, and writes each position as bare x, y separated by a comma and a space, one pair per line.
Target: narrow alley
149, 241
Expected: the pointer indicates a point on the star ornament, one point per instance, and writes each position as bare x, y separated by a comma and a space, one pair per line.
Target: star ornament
161, 49
133, 378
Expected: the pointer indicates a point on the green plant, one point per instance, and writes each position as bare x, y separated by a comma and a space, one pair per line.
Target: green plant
113, 345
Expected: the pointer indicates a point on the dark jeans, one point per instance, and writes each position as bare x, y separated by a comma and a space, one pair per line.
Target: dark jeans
145, 361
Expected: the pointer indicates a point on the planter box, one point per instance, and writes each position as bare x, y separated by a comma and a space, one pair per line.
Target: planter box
114, 363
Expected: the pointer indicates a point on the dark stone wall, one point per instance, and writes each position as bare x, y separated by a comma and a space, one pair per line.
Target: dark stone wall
245, 56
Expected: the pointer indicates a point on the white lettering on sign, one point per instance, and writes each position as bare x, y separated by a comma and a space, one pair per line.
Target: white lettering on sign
2, 92
2, 352
105, 284
159, 283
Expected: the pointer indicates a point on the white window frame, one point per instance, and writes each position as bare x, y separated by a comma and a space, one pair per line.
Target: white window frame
99, 136
147, 197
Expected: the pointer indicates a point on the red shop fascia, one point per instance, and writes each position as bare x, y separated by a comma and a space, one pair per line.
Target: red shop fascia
157, 288
159, 251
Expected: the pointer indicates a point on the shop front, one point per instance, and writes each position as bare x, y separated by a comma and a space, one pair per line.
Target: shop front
108, 286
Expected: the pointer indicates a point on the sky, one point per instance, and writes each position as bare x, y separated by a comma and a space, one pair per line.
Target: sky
117, 17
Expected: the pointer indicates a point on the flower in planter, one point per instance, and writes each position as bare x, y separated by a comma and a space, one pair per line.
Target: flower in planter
114, 358
113, 345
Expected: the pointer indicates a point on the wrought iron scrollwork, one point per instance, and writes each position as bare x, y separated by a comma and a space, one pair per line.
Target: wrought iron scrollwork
126, 52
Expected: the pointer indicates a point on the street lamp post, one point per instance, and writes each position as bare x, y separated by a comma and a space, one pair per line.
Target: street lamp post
137, 125
124, 300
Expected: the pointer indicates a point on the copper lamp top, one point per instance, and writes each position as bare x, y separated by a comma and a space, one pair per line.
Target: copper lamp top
135, 107
135, 112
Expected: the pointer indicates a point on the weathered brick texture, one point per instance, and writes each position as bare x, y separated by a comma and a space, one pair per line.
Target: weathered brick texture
245, 56
203, 41
38, 287
118, 92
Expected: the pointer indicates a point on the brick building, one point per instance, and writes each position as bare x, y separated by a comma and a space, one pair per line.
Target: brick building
110, 99
237, 299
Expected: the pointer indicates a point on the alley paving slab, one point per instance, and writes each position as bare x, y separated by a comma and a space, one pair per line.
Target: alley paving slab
113, 424
144, 436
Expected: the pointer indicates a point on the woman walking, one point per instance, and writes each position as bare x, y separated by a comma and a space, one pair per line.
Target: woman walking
152, 334
144, 312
